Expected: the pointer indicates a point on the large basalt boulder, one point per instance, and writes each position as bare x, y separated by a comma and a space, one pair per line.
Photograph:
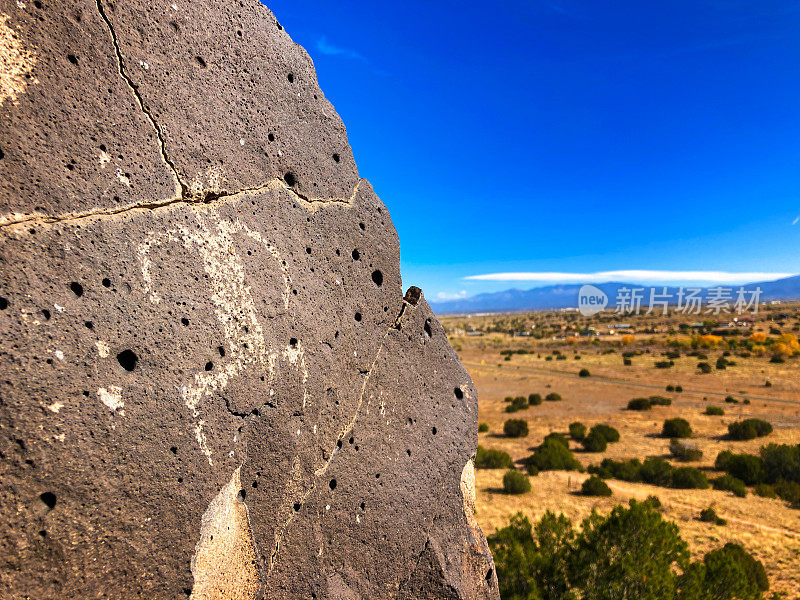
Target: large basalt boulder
211, 384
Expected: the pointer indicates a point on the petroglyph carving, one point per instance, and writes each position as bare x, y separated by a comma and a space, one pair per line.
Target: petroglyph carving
246, 345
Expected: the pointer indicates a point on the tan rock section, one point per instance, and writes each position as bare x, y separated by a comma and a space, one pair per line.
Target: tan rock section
225, 564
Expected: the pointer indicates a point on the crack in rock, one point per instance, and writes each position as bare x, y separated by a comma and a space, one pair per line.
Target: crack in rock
205, 198
140, 101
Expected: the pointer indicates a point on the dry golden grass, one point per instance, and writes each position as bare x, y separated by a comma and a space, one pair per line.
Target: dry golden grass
768, 528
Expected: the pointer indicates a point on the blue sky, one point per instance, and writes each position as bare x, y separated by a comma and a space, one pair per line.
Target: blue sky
569, 136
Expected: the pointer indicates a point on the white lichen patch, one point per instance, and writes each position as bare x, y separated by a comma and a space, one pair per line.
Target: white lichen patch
102, 348
105, 158
225, 563
112, 398
55, 407
16, 64
123, 178
209, 182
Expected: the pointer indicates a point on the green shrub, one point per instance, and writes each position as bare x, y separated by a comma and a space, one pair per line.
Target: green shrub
788, 491
610, 434
767, 383
555, 436
777, 359
656, 471
584, 373
729, 483
731, 571
639, 404
594, 441
518, 403
534, 399
747, 467
492, 459
722, 363
653, 501
709, 515
704, 367
625, 470
781, 461
679, 388
689, 478
684, 451
723, 460
483, 427
749, 429
765, 490
515, 428
660, 401
627, 362
731, 400
715, 411
631, 553
577, 431
515, 482
553, 455
594, 486
553, 397
676, 428
664, 364
670, 388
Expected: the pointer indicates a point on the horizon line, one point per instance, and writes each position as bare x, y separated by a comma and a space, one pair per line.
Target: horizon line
633, 276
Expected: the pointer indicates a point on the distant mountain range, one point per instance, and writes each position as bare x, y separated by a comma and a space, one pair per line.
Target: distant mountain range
566, 296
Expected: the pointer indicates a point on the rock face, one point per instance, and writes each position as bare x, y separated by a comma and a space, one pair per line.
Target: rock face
212, 385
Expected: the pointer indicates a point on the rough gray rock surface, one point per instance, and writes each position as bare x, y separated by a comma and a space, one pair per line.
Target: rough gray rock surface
211, 383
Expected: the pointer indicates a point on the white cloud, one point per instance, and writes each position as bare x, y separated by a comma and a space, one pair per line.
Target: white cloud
332, 50
633, 276
456, 296
796, 219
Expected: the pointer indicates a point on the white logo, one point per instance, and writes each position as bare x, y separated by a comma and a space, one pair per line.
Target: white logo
591, 300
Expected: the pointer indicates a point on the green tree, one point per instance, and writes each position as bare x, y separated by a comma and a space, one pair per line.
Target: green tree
533, 563
727, 573
630, 555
